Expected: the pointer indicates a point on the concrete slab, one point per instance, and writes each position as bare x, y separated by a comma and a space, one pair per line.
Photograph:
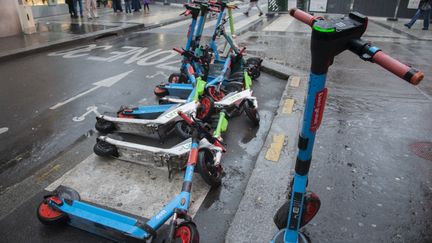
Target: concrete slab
268, 183
128, 187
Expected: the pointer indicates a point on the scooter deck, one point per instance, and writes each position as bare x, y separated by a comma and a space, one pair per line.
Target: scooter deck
170, 158
147, 111
161, 125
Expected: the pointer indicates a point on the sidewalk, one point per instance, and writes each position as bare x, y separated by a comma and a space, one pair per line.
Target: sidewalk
60, 30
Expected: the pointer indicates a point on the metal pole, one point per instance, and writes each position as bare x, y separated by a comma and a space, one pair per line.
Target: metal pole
396, 11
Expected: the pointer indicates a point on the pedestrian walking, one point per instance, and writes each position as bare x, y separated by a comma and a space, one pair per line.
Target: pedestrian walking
146, 5
424, 9
253, 3
136, 5
71, 8
116, 4
128, 6
79, 3
91, 9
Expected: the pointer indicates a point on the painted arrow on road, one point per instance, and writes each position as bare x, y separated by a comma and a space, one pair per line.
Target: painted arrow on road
103, 83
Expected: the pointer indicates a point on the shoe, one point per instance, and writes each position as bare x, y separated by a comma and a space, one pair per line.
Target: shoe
425, 28
260, 14
246, 13
90, 18
408, 26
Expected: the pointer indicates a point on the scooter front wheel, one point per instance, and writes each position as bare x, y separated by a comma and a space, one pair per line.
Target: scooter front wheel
251, 112
206, 108
186, 232
210, 173
103, 126
104, 149
177, 78
183, 129
311, 206
50, 216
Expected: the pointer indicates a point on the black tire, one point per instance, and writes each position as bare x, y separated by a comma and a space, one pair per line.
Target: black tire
281, 217
160, 91
183, 130
233, 86
206, 108
179, 78
50, 216
186, 232
254, 61
205, 167
104, 149
237, 76
214, 93
251, 112
103, 126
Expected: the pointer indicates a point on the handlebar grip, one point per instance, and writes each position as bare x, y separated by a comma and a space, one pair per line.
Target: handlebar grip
185, 117
302, 16
401, 70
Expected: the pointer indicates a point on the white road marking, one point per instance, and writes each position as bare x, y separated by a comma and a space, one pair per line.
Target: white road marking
3, 130
156, 74
89, 109
103, 83
281, 24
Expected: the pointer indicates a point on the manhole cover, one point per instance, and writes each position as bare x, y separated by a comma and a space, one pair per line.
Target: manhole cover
422, 149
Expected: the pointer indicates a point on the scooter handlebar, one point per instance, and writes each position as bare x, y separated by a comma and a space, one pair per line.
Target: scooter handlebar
186, 13
302, 16
401, 70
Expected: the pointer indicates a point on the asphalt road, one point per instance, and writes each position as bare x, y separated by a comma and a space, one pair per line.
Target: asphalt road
61, 91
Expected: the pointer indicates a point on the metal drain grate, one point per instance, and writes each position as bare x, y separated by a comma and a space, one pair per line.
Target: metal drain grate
422, 149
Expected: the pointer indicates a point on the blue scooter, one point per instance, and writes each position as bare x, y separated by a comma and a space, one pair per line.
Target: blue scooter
64, 205
329, 38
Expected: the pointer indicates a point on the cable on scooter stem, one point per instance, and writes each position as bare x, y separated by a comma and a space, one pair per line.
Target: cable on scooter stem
370, 53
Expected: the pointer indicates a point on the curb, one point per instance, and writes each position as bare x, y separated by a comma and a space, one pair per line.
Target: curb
83, 38
267, 185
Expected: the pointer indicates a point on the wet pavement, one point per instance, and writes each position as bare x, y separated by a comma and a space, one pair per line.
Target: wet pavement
62, 28
62, 97
373, 187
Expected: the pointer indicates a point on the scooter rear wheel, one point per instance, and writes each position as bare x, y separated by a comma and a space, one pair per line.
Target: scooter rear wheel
186, 232
50, 216
217, 95
210, 173
103, 126
160, 91
104, 149
177, 78
206, 108
251, 112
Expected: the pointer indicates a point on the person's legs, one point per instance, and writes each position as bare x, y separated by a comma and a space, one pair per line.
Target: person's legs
426, 16
251, 4
414, 19
259, 9
128, 6
80, 7
74, 8
146, 5
88, 6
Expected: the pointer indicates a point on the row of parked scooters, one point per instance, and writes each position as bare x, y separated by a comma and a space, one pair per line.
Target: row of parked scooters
209, 85
195, 104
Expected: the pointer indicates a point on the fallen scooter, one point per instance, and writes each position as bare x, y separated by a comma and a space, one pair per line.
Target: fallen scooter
329, 38
173, 159
65, 206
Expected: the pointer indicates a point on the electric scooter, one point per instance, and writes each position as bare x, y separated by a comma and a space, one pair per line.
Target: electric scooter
173, 159
329, 38
216, 72
65, 206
